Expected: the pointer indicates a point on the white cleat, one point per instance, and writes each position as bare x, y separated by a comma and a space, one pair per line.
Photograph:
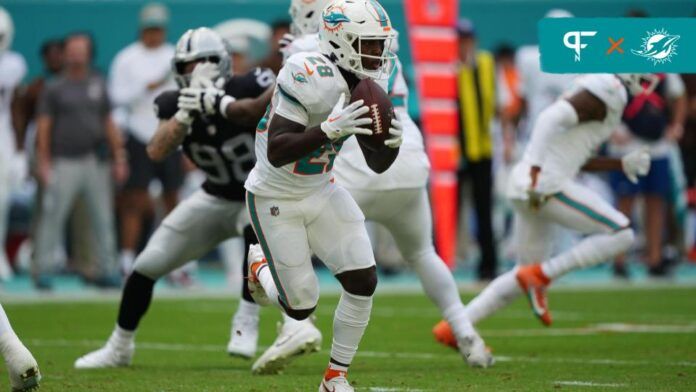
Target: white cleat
336, 384
295, 338
256, 261
21, 365
113, 354
474, 350
244, 336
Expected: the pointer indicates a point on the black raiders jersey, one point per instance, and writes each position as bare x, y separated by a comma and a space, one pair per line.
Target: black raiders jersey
222, 148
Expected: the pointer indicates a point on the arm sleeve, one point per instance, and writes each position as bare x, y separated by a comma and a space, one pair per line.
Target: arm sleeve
291, 91
553, 120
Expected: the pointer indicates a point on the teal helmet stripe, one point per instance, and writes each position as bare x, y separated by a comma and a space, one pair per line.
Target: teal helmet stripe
383, 18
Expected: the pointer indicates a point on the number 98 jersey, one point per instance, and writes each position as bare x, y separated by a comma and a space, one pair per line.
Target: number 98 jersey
220, 147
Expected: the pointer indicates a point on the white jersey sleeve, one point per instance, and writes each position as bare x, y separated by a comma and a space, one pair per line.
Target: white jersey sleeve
309, 84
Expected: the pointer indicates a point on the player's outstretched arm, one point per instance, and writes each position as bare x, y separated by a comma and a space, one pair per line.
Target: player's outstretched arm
168, 137
248, 111
288, 141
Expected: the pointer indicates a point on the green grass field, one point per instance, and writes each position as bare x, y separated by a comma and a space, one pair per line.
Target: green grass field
635, 339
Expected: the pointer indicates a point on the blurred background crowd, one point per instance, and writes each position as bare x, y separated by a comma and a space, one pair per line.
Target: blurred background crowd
79, 195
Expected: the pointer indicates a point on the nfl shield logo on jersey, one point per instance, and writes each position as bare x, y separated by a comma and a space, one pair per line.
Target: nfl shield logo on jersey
275, 211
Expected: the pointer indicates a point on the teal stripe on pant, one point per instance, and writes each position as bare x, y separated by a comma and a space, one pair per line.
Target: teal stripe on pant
592, 214
251, 202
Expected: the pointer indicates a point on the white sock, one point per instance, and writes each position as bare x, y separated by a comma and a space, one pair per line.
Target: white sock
287, 320
127, 258
247, 309
122, 338
266, 280
458, 319
8, 339
4, 322
350, 320
499, 293
438, 282
588, 252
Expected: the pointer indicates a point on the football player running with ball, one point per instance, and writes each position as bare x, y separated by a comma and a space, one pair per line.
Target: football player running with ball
295, 208
545, 194
213, 118
397, 199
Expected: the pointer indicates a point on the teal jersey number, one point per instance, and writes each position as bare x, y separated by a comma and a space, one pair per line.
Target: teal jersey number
322, 69
320, 160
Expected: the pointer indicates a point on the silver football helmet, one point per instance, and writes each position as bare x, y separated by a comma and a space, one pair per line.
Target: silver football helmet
199, 44
6, 30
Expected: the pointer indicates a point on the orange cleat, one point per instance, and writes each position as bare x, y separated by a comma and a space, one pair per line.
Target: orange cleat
534, 283
443, 334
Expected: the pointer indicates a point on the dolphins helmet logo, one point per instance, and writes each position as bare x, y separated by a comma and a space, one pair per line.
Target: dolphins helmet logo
658, 46
334, 17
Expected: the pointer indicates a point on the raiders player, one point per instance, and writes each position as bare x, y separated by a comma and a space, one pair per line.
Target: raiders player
213, 118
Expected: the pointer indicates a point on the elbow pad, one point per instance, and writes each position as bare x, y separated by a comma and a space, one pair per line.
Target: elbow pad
554, 119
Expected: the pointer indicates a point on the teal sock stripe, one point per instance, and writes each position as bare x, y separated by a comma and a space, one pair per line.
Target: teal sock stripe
251, 201
592, 214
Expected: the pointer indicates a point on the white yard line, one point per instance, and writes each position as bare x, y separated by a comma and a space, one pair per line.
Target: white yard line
93, 344
590, 384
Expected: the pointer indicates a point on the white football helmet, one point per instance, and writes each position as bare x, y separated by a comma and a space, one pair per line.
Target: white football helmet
638, 83
6, 30
199, 44
306, 15
346, 24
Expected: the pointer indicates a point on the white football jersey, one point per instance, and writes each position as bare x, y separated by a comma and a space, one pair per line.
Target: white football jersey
411, 167
12, 71
567, 151
307, 88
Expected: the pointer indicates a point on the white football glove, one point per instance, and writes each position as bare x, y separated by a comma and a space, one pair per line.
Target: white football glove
207, 101
396, 131
344, 121
204, 75
284, 44
636, 163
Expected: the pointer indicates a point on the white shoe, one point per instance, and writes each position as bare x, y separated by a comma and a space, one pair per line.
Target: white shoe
257, 260
474, 350
244, 336
115, 353
294, 339
336, 384
21, 365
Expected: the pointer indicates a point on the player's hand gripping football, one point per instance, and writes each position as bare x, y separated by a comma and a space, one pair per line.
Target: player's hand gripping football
345, 121
396, 131
535, 198
636, 163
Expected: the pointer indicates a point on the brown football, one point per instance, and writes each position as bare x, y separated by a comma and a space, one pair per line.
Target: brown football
381, 112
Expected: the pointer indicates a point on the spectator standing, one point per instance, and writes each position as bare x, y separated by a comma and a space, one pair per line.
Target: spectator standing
477, 98
139, 73
12, 160
655, 122
76, 137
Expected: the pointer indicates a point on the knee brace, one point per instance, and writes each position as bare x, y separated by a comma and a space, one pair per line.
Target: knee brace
359, 282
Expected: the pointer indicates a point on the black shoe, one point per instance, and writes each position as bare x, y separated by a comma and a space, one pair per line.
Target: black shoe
658, 271
43, 283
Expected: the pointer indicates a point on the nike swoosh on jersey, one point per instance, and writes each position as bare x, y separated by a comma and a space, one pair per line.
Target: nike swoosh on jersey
309, 71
